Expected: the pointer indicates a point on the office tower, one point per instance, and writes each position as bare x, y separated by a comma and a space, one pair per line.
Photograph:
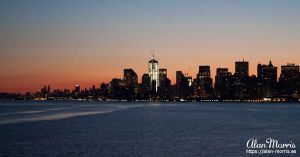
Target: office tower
146, 87
182, 85
204, 82
77, 89
116, 88
104, 90
204, 71
179, 77
130, 78
48, 90
115, 82
162, 75
165, 89
241, 69
289, 71
289, 81
93, 91
223, 83
146, 82
267, 79
240, 79
44, 90
267, 72
153, 73
221, 72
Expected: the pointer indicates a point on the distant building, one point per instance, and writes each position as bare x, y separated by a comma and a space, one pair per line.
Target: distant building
223, 83
240, 79
146, 82
48, 90
116, 86
289, 71
154, 73
268, 72
204, 82
190, 80
241, 69
130, 78
267, 77
165, 89
204, 71
162, 75
289, 81
182, 85
220, 72
146, 87
104, 90
115, 82
179, 78
77, 89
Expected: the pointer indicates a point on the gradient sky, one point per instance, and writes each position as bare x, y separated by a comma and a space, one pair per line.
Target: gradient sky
68, 42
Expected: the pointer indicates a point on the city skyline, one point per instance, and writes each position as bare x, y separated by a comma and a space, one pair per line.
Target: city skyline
207, 71
119, 74
89, 42
156, 86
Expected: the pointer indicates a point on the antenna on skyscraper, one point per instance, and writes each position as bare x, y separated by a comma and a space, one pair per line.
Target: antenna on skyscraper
152, 53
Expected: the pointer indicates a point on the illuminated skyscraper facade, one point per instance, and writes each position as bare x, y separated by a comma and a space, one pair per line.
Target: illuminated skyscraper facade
154, 73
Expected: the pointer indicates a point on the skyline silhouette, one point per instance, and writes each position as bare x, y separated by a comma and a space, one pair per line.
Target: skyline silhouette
155, 85
213, 73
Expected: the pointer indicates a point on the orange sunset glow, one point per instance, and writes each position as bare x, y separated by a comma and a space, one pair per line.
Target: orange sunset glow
61, 46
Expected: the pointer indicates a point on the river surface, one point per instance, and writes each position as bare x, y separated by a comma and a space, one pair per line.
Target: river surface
82, 128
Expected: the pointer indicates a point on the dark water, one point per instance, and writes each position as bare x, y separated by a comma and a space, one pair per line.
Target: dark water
142, 129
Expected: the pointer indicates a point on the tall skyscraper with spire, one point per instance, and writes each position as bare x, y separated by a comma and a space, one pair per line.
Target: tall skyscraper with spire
154, 73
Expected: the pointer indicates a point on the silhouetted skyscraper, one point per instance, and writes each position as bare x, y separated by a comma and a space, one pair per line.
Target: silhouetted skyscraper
267, 77
130, 78
204, 71
179, 77
182, 85
267, 72
77, 89
162, 74
222, 72
154, 73
146, 87
116, 88
204, 82
146, 82
289, 81
241, 69
240, 79
48, 90
289, 71
223, 83
165, 89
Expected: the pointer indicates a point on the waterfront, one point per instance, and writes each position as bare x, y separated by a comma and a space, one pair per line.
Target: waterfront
83, 128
